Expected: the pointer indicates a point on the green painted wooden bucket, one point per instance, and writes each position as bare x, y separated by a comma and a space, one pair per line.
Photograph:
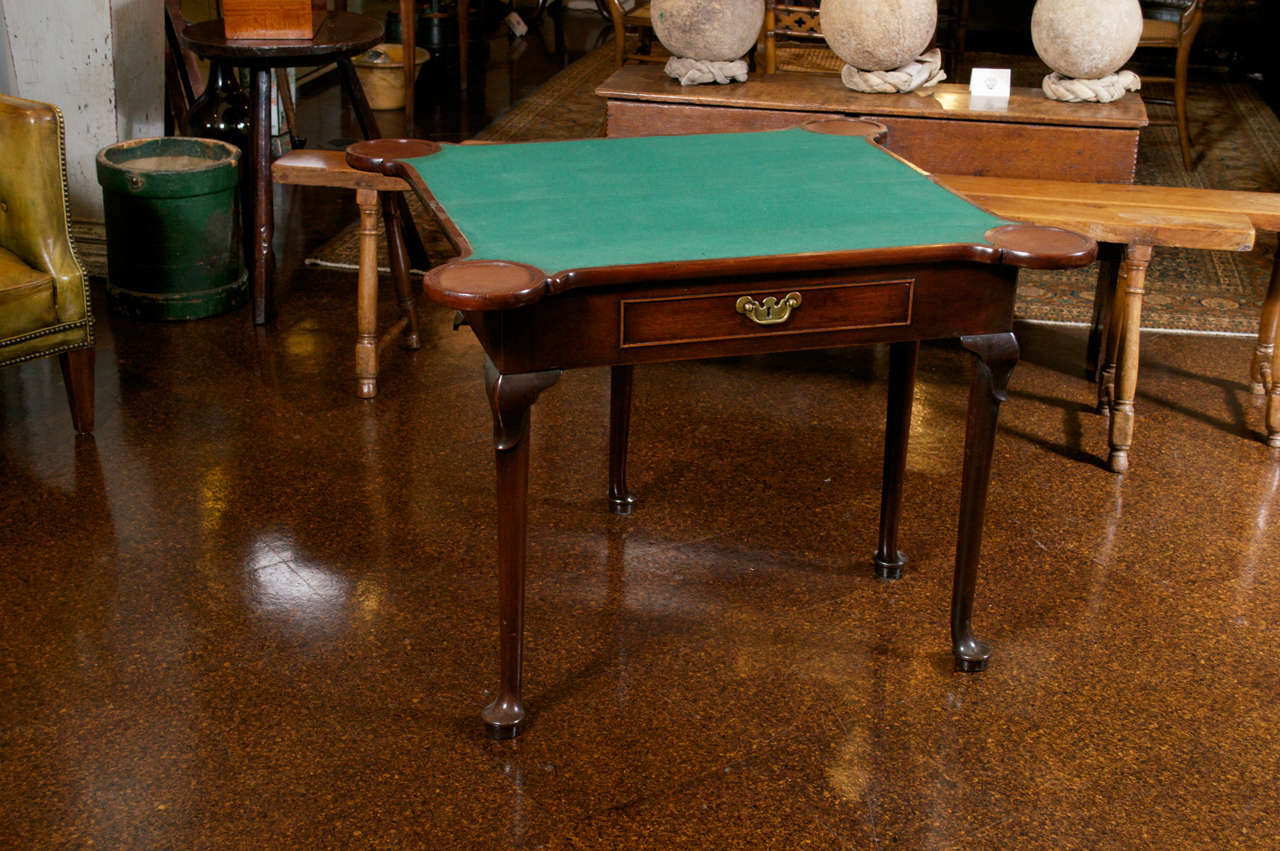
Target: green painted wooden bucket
173, 242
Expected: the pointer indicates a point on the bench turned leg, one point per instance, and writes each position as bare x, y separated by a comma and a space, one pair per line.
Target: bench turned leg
367, 296
1109, 256
889, 560
621, 500
1273, 408
1133, 273
1270, 370
1261, 373
1113, 337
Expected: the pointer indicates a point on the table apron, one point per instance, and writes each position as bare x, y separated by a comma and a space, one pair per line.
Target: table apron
647, 323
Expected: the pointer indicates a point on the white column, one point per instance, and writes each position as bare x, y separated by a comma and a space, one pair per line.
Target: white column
101, 61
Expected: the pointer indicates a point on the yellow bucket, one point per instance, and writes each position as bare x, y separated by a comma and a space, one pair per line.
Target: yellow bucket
381, 73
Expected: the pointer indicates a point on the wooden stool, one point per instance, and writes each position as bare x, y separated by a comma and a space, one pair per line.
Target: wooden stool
329, 168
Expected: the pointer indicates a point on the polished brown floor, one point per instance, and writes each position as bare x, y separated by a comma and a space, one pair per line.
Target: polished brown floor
254, 611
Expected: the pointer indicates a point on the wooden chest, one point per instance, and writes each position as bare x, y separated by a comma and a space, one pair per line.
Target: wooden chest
270, 19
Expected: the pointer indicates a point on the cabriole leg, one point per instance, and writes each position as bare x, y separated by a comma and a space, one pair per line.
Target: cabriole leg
510, 398
888, 560
621, 500
996, 355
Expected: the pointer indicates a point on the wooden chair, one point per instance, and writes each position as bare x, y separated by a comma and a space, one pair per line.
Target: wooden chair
637, 22
44, 292
407, 36
183, 82
792, 37
953, 26
1172, 25
793, 40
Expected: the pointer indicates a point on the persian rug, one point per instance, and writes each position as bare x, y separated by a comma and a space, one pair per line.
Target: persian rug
1236, 143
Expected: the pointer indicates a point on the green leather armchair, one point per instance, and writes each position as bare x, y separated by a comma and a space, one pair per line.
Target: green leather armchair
44, 293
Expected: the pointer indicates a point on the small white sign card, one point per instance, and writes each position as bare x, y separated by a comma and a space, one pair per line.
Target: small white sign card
989, 88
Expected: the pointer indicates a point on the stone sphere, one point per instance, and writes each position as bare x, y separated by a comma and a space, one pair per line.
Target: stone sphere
878, 35
1086, 39
710, 30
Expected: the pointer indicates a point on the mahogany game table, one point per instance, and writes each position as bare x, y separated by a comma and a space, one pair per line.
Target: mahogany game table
717, 245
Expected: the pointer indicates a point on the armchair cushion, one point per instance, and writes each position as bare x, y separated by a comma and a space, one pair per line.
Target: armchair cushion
26, 298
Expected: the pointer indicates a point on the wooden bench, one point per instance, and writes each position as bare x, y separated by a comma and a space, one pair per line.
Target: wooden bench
307, 167
1130, 221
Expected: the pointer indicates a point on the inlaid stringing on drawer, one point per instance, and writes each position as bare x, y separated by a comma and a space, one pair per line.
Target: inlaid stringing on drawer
824, 308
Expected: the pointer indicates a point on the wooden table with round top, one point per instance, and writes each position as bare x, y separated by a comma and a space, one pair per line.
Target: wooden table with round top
341, 36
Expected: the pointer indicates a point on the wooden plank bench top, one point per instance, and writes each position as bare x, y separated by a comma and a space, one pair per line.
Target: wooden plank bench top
1140, 218
1125, 214
1262, 208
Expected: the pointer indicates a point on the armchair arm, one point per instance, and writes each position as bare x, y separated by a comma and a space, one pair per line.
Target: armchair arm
34, 206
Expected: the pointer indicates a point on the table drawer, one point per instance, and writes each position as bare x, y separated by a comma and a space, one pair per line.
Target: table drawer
823, 308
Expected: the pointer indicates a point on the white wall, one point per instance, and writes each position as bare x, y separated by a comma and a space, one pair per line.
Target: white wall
6, 60
101, 61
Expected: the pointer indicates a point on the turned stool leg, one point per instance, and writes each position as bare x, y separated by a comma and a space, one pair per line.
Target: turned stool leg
1133, 275
367, 296
1273, 405
398, 254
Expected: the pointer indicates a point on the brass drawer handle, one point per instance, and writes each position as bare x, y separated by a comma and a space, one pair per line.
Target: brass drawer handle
771, 311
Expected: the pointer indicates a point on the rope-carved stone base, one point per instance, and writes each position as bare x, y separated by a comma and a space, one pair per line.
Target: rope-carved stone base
1103, 90
925, 71
692, 72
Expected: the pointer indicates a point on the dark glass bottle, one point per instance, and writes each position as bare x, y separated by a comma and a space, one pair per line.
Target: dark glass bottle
222, 110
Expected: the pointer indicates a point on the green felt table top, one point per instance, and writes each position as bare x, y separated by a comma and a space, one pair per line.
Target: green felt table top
612, 202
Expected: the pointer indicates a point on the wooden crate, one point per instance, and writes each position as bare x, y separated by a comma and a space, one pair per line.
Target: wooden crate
270, 19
